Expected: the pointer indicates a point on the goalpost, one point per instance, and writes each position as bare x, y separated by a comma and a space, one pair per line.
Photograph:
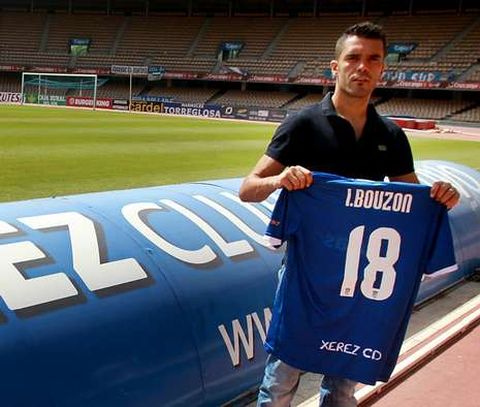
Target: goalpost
54, 88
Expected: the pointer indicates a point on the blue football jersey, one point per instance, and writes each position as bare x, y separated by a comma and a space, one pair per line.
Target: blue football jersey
356, 254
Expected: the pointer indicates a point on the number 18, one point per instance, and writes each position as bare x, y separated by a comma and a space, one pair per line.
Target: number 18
376, 263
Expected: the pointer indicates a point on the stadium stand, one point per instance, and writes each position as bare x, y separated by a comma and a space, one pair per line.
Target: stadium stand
29, 25
162, 39
475, 74
9, 84
470, 115
419, 29
275, 47
311, 41
264, 67
433, 40
32, 89
305, 101
463, 51
422, 108
255, 98
271, 46
187, 95
100, 29
20, 41
256, 33
111, 90
307, 38
154, 40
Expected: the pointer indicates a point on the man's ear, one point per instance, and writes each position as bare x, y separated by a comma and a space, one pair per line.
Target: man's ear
334, 67
381, 73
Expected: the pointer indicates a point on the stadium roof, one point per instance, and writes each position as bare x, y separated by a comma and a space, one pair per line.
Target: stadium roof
232, 7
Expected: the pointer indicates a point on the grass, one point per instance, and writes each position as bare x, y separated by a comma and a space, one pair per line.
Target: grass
46, 152
463, 152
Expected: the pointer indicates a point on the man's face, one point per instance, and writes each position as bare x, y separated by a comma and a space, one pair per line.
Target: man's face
359, 66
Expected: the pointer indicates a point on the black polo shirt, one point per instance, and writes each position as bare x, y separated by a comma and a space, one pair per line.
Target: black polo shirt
318, 139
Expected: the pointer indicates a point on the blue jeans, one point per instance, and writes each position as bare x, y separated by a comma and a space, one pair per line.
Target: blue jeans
280, 382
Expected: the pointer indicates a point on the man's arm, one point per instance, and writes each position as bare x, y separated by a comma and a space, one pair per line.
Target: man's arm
442, 192
269, 175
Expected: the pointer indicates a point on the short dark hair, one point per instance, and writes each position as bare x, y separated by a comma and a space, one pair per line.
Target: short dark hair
365, 29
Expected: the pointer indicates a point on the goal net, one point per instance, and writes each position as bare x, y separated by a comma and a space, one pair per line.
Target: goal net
56, 88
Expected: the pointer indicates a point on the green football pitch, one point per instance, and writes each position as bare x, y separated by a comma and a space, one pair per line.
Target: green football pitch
51, 152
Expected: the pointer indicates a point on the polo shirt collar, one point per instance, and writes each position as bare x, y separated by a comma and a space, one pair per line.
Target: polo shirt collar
327, 105
329, 110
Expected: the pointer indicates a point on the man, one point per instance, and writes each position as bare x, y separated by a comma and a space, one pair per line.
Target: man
341, 135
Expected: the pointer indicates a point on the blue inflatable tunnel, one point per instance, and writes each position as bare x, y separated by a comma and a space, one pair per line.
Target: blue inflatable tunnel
154, 296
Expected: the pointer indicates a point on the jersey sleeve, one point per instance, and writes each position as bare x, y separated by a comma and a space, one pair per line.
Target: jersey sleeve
281, 221
442, 257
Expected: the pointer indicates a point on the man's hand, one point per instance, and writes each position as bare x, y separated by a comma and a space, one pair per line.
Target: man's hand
269, 175
441, 191
445, 193
295, 177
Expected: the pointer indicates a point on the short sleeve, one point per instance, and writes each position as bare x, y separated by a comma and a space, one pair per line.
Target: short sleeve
442, 256
401, 158
281, 147
282, 221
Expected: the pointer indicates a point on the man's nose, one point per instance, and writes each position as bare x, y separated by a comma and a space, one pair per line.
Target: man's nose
362, 66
